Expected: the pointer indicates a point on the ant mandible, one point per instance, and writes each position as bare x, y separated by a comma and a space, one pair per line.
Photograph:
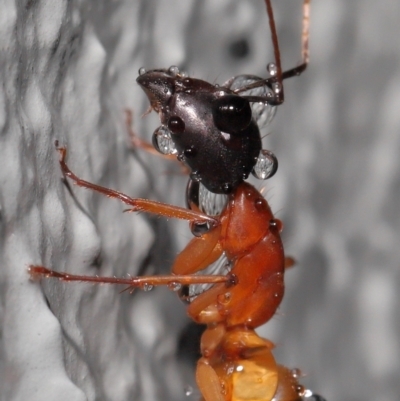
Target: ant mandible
236, 364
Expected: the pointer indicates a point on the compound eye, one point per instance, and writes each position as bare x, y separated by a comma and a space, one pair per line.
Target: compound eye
231, 113
176, 125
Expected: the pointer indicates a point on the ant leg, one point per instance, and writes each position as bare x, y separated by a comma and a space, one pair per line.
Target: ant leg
305, 52
197, 255
275, 82
275, 43
142, 282
135, 140
137, 204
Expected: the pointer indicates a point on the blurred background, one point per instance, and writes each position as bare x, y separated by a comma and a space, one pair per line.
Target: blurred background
337, 190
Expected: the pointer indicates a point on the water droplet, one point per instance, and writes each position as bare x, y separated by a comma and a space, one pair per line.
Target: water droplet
300, 389
232, 280
276, 224
195, 176
307, 393
148, 287
229, 369
162, 141
173, 70
184, 74
176, 125
224, 299
142, 71
239, 368
223, 388
174, 286
259, 204
188, 390
266, 165
190, 152
272, 69
206, 353
226, 187
276, 87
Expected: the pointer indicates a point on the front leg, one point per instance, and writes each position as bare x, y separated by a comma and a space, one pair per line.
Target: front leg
137, 204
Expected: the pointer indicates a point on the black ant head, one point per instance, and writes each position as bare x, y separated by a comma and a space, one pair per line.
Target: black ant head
211, 128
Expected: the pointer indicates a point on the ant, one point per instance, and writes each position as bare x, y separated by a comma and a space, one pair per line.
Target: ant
212, 130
